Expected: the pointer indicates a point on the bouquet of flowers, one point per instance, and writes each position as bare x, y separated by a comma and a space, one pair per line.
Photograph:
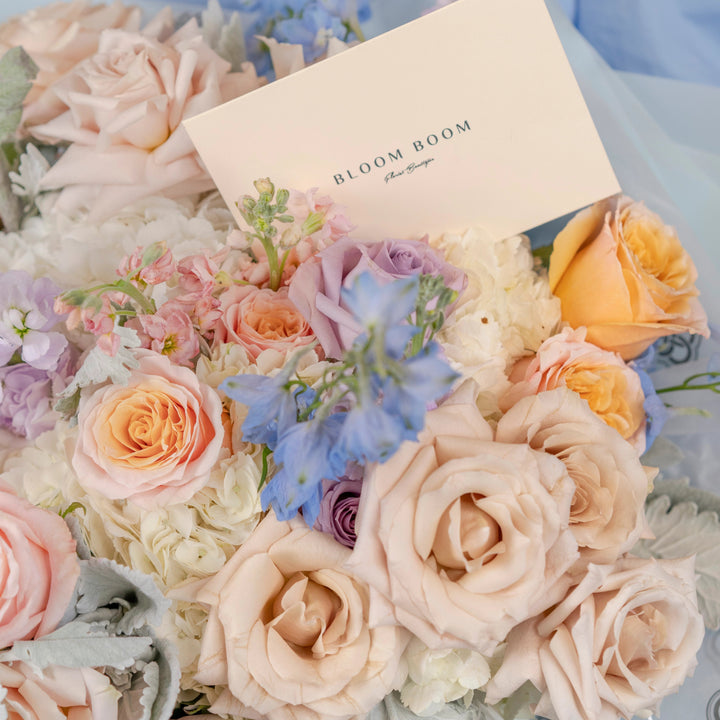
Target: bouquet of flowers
279, 471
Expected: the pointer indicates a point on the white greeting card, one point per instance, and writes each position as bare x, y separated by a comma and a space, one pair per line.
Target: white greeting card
468, 116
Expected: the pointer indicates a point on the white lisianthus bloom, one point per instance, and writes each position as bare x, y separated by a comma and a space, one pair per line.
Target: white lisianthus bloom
437, 677
506, 311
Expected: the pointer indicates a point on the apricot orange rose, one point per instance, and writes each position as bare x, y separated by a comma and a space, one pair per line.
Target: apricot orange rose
622, 273
611, 388
153, 441
261, 319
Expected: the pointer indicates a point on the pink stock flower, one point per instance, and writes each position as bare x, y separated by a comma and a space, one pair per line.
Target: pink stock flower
197, 275
156, 272
169, 332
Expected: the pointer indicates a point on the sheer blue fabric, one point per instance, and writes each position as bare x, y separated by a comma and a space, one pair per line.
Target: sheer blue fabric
670, 38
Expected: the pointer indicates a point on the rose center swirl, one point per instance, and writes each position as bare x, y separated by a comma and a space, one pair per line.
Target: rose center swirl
466, 533
303, 610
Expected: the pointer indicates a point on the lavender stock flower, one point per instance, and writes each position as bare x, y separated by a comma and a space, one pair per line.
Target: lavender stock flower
27, 320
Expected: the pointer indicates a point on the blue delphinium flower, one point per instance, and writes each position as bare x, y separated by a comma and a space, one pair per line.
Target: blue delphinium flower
272, 406
376, 305
656, 413
423, 379
304, 453
370, 433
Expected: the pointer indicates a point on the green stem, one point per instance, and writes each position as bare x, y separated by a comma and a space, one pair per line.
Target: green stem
274, 265
686, 384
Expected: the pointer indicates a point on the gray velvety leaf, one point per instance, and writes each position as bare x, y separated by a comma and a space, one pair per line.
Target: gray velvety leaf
17, 71
79, 644
682, 530
679, 490
103, 582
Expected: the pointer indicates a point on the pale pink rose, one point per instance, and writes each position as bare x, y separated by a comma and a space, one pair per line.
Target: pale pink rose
58, 37
297, 646
621, 640
153, 441
169, 332
602, 378
607, 516
261, 319
57, 693
461, 538
38, 569
126, 105
623, 274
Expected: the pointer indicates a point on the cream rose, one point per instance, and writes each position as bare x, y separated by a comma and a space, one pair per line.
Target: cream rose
621, 640
607, 515
38, 569
611, 388
459, 537
57, 692
125, 108
153, 441
622, 273
288, 631
58, 37
261, 319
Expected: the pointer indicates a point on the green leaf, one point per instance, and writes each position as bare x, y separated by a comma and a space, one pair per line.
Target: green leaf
683, 528
17, 71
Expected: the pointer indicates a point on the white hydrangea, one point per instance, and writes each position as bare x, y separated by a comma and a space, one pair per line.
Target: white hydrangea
437, 677
75, 253
506, 312
184, 625
43, 474
172, 543
191, 540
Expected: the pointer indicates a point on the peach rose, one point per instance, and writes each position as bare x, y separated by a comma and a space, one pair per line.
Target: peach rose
261, 320
153, 441
607, 515
622, 273
57, 693
459, 537
612, 389
38, 569
58, 37
621, 640
126, 105
288, 631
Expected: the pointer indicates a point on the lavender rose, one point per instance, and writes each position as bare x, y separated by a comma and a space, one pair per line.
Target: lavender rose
316, 286
338, 509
